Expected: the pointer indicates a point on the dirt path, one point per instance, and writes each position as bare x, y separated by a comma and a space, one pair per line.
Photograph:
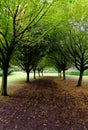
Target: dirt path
44, 104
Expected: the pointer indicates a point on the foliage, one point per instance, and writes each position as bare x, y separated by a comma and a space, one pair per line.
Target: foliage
57, 53
17, 19
78, 49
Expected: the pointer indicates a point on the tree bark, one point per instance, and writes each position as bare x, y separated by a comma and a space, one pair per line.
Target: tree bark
64, 77
28, 79
80, 79
4, 82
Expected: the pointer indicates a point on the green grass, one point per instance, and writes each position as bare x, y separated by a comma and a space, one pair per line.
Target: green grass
72, 72
16, 77
86, 73
50, 74
76, 72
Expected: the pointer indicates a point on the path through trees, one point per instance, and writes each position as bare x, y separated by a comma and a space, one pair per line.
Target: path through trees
44, 104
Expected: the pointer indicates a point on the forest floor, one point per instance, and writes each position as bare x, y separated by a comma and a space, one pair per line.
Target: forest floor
47, 103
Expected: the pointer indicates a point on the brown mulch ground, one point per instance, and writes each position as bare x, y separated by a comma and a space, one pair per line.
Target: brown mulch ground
45, 104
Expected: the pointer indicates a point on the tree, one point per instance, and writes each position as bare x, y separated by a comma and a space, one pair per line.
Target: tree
40, 51
57, 52
78, 49
59, 61
27, 56
41, 65
23, 57
16, 17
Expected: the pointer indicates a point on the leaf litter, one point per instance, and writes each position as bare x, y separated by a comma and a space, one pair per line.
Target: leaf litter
47, 103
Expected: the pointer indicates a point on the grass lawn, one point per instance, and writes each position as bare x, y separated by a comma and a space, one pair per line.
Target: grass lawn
76, 72
17, 77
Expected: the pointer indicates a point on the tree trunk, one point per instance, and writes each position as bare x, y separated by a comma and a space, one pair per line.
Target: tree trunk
28, 80
80, 79
64, 75
4, 82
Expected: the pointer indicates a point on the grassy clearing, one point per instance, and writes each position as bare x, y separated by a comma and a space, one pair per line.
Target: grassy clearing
21, 76
76, 72
17, 77
76, 77
72, 72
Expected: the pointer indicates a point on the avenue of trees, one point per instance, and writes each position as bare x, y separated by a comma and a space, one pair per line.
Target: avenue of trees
33, 29
17, 20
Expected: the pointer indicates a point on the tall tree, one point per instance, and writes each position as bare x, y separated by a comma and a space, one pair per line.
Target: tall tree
77, 47
59, 61
23, 57
57, 52
41, 65
40, 51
